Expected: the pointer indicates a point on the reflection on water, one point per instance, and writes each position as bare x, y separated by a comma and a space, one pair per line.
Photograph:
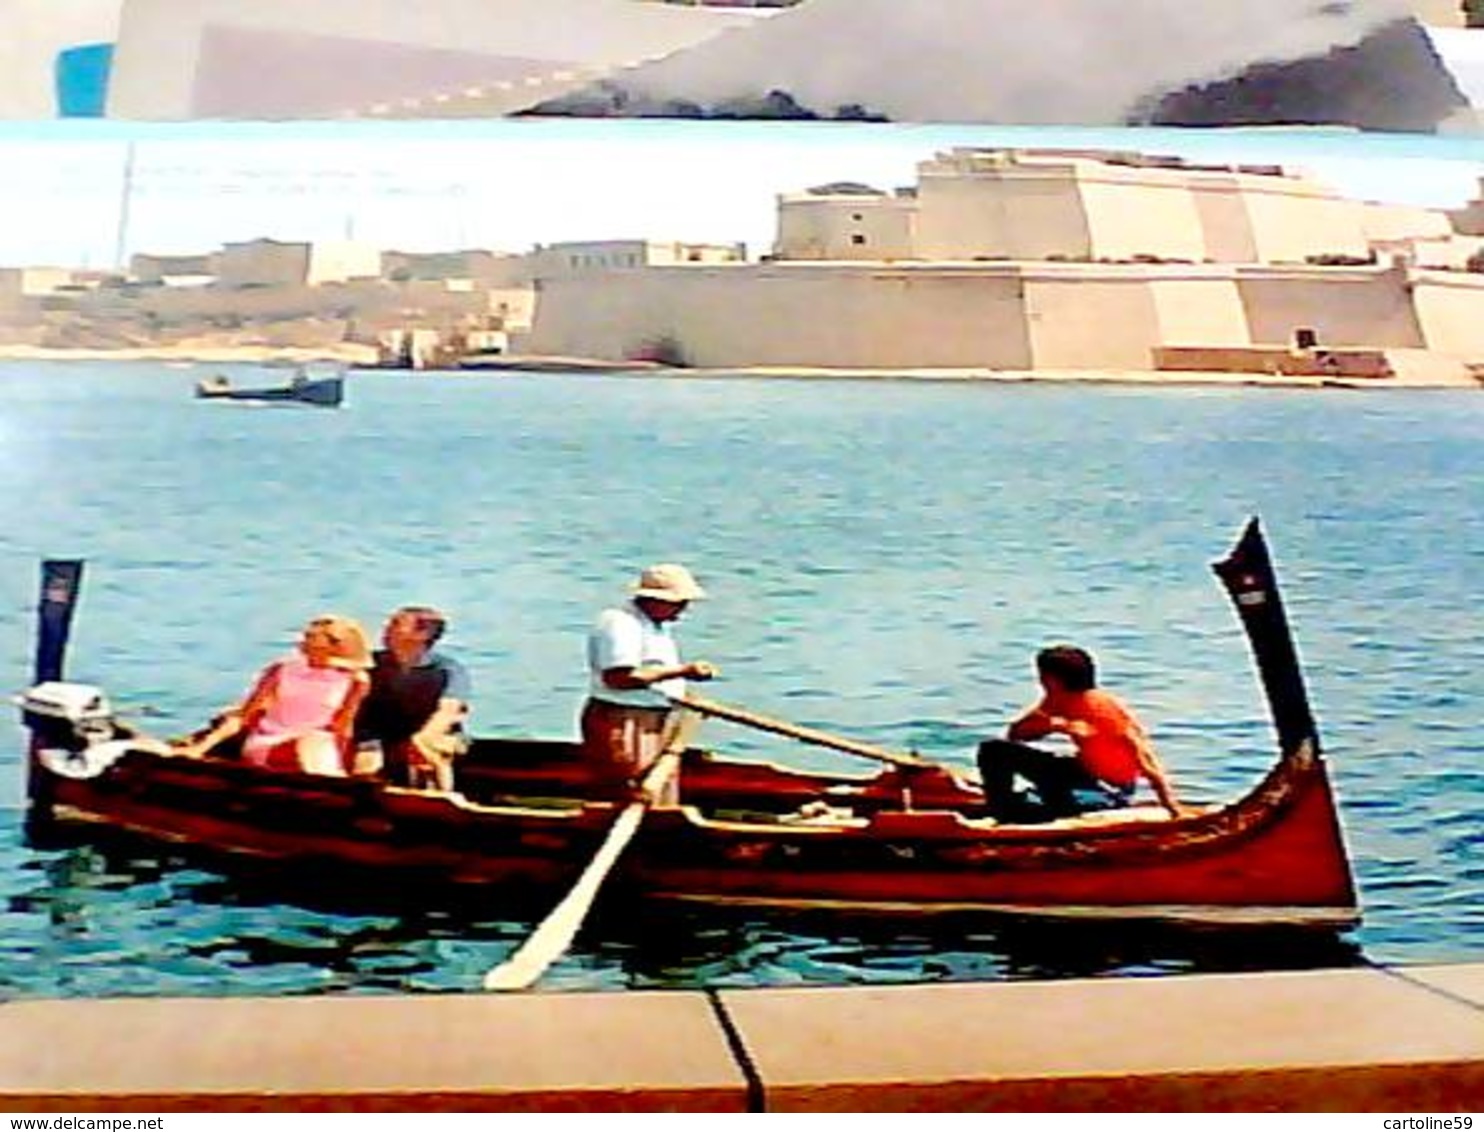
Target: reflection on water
202, 932
708, 947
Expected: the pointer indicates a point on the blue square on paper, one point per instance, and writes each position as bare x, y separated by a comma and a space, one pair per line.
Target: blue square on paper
82, 80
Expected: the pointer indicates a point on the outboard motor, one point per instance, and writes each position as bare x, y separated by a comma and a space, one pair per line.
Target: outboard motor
72, 726
68, 716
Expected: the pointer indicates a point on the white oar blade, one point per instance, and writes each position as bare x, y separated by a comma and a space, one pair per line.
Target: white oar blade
550, 941
555, 933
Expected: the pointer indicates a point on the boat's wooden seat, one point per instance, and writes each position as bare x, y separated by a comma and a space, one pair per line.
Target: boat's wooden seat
1148, 812
1095, 819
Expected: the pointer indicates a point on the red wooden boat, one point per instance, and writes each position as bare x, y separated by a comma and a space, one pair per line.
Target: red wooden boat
904, 840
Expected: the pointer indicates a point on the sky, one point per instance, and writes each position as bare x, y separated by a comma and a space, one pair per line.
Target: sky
508, 185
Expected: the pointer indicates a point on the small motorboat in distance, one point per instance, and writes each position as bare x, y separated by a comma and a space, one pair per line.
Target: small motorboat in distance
312, 384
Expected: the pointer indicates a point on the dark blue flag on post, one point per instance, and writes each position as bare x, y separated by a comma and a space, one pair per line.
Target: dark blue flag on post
60, 581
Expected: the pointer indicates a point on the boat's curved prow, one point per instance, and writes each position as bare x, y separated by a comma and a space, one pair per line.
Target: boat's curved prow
1247, 573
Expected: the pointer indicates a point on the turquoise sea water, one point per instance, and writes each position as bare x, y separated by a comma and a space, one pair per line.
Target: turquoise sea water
884, 559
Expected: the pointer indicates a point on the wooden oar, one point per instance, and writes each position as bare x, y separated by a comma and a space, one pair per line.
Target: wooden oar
794, 731
555, 934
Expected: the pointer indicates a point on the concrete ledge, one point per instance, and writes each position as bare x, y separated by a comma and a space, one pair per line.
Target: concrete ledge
1349, 1040
1465, 981
584, 1052
1359, 1039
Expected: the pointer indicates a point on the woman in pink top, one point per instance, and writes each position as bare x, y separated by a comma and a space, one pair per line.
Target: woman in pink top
300, 712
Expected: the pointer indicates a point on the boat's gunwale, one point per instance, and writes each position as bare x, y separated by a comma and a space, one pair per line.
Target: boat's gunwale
1267, 797
274, 779
1322, 917
945, 835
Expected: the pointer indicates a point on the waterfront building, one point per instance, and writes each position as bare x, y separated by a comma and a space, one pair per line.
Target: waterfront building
1074, 205
846, 221
478, 266
268, 293
165, 269
1050, 260
274, 263
562, 260
22, 282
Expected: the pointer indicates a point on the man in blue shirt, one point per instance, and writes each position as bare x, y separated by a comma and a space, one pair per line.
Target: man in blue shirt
417, 703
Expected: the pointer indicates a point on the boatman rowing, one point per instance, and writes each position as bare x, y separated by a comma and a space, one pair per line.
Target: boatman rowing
635, 668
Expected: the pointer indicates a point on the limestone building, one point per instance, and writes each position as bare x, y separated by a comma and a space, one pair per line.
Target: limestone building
972, 204
17, 282
478, 266
273, 263
847, 222
1053, 260
148, 268
562, 260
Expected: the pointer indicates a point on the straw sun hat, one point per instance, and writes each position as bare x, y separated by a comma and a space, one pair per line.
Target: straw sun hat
667, 582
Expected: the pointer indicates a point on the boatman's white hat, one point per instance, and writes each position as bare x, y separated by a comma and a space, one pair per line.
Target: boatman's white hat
668, 581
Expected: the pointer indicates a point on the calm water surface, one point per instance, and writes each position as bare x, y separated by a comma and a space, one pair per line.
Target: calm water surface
884, 559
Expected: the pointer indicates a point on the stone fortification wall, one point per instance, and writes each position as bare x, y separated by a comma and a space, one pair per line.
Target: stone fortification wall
993, 316
1448, 306
794, 314
1344, 306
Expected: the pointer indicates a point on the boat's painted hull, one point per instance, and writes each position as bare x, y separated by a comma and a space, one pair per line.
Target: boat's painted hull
1274, 856
324, 393
1285, 858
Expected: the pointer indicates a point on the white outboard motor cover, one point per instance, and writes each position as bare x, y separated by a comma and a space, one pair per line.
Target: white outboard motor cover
82, 705
75, 731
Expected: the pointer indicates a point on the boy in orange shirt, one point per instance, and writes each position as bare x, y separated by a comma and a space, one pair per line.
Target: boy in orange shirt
1113, 750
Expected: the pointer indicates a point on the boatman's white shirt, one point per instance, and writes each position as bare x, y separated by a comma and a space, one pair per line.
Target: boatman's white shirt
626, 638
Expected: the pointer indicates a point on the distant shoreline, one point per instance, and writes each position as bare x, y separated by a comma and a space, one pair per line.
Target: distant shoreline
207, 355
366, 356
1024, 377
